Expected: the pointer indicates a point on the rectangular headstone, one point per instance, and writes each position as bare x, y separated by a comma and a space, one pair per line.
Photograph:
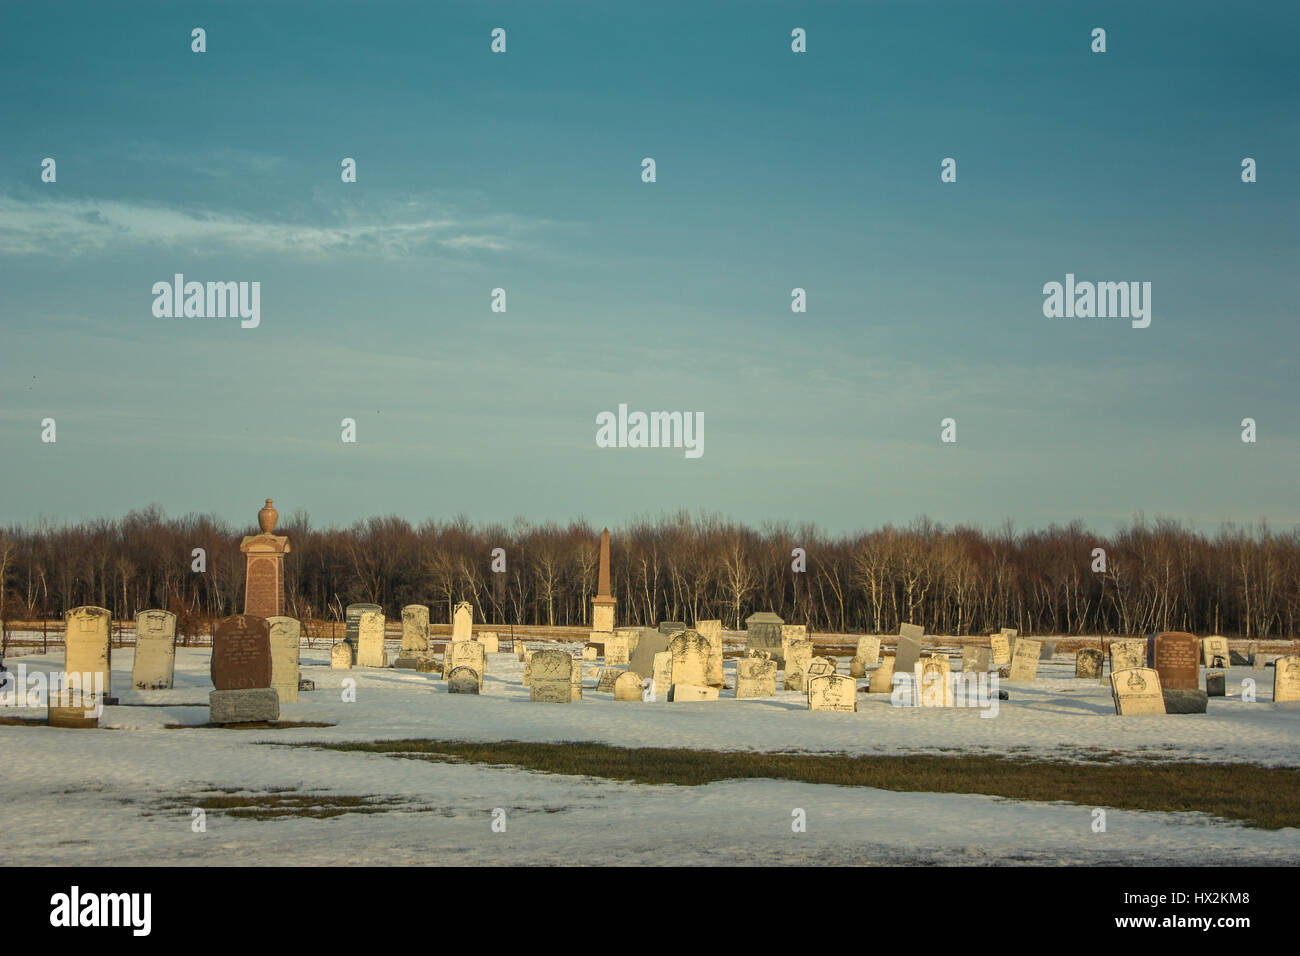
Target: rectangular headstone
1048, 651
552, 677
882, 678
1088, 663
755, 677
1286, 679
87, 651
868, 650
155, 650
932, 685
470, 654
1175, 656
370, 640
914, 631
1215, 651
671, 627
690, 653
682, 693
763, 633
642, 659
241, 654
1000, 645
1137, 691
832, 692
662, 674
352, 617
284, 633
798, 654
976, 659
1127, 654
907, 653
616, 651
711, 631
1024, 660
415, 633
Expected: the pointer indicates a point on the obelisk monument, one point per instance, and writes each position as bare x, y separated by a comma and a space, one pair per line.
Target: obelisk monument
264, 568
602, 605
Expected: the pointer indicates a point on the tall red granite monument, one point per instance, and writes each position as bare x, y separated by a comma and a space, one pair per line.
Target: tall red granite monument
264, 566
602, 605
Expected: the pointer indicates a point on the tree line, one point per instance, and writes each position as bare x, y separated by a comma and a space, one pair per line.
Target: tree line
1147, 576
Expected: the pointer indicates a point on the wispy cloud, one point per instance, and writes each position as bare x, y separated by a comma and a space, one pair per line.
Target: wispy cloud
76, 227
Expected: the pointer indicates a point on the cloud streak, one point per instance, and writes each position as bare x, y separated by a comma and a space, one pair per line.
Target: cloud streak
82, 227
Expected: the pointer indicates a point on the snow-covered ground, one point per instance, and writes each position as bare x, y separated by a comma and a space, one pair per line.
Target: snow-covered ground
123, 794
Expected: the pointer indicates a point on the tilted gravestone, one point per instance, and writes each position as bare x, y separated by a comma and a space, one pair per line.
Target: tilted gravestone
1024, 659
155, 650
755, 677
370, 640
285, 633
1136, 690
1088, 663
908, 652
415, 636
552, 677
1175, 656
832, 692
241, 672
882, 678
607, 678
642, 659
1000, 645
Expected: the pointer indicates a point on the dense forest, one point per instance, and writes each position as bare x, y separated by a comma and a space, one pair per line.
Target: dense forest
960, 580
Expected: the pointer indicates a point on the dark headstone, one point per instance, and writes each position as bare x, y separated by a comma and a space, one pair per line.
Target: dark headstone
643, 658
1047, 651
462, 680
305, 684
1175, 656
1215, 684
1185, 701
241, 653
1088, 663
1238, 660
671, 627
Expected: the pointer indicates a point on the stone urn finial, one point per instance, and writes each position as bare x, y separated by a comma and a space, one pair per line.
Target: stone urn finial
267, 517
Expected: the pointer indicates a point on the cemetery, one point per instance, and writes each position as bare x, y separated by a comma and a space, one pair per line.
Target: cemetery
265, 725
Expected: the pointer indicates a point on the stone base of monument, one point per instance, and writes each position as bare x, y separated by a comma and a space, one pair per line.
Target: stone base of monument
1215, 684
72, 717
428, 665
253, 705
409, 663
1185, 701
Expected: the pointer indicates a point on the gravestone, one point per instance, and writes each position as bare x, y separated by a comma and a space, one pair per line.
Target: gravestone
264, 566
976, 659
1000, 646
370, 640
832, 692
690, 654
1024, 659
352, 617
632, 635
1048, 651
415, 636
1286, 679
284, 633
1256, 658
87, 650
528, 668
797, 656
1215, 683
466, 680
1174, 655
607, 678
628, 686
589, 653
711, 631
1215, 651
763, 633
868, 653
552, 677
914, 631
1088, 663
670, 628
575, 686
462, 622
661, 671
908, 651
341, 656
469, 654
1127, 655
1136, 690
755, 677
882, 678
155, 650
682, 693
616, 651
522, 649
241, 672
933, 683
491, 643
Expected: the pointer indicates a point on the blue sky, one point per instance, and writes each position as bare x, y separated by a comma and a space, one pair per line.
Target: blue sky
775, 170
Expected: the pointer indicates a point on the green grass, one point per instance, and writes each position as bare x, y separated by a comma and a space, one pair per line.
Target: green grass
1266, 797
279, 803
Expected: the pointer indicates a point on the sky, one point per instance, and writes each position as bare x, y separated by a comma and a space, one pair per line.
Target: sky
775, 170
